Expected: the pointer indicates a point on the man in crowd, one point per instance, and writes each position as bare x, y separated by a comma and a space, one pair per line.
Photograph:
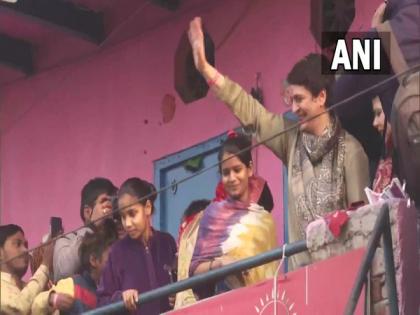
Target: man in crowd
16, 295
96, 202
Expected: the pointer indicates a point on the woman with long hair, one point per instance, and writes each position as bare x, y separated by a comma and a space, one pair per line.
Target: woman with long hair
384, 171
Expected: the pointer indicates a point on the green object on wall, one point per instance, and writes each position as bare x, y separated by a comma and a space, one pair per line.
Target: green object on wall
194, 164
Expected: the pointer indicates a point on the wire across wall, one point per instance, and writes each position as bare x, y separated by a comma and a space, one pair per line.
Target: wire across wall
116, 210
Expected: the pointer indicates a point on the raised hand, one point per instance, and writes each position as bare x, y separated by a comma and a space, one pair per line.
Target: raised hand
196, 37
223, 261
378, 16
47, 258
130, 298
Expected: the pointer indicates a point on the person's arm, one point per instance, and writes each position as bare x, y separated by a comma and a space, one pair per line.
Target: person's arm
22, 303
66, 255
109, 288
356, 171
254, 117
59, 297
213, 264
41, 303
247, 109
204, 267
196, 37
378, 16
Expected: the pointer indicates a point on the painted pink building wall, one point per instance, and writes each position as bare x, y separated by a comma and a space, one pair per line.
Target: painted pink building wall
100, 116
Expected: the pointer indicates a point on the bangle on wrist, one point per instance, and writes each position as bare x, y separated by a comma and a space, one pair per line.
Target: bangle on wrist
55, 299
214, 80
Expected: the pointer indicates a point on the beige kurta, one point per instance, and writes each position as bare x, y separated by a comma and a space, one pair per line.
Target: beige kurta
185, 252
19, 301
254, 116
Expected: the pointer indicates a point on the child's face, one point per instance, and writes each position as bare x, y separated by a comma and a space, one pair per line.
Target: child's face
135, 217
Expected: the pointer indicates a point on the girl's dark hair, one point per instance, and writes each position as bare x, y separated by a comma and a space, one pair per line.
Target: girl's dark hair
195, 207
139, 189
266, 198
94, 244
238, 145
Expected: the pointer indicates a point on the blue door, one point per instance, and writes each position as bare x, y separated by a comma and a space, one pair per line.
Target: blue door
188, 179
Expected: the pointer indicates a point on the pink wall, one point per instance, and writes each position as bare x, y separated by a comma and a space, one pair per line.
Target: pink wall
62, 127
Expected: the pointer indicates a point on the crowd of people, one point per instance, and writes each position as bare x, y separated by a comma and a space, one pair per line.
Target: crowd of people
118, 255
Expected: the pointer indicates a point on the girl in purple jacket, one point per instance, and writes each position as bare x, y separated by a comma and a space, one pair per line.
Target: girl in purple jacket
137, 263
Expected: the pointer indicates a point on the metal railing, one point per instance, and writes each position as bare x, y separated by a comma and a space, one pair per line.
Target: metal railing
381, 229
211, 276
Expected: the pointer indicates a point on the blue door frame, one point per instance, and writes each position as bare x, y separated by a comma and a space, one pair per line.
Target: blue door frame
163, 165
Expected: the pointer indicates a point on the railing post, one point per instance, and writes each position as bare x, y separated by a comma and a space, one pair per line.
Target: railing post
366, 261
389, 266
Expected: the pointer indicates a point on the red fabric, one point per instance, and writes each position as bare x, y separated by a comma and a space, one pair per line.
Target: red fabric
336, 220
85, 296
184, 225
220, 192
383, 175
231, 134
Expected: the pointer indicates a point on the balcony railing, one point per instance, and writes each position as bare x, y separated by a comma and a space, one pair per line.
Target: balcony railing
381, 229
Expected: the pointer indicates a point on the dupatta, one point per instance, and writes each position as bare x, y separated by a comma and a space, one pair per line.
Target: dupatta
237, 230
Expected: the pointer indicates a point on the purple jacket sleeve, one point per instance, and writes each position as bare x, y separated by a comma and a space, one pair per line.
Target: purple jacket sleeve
109, 288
